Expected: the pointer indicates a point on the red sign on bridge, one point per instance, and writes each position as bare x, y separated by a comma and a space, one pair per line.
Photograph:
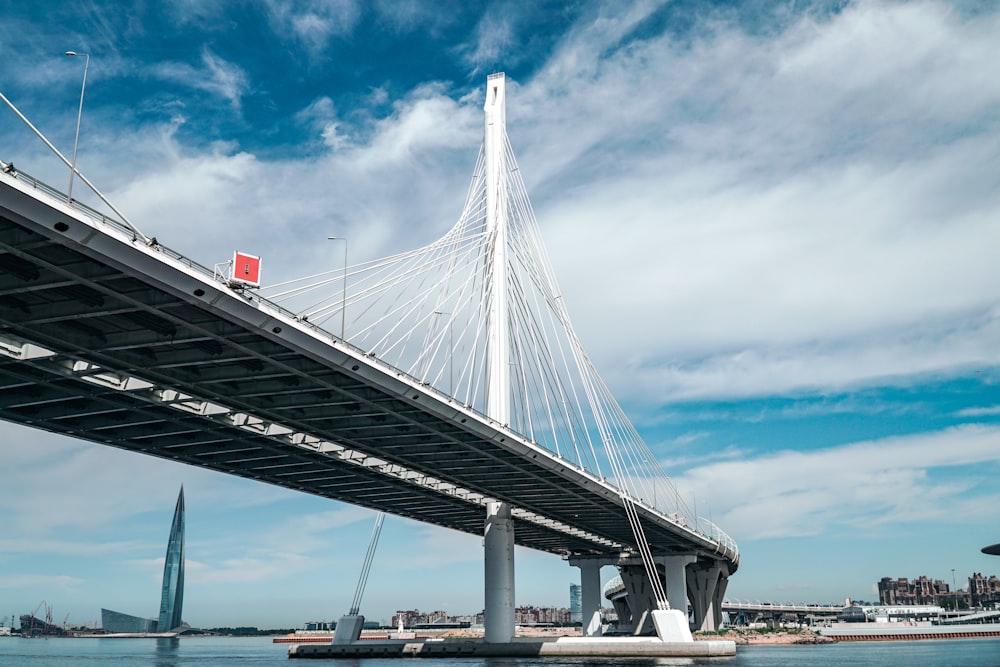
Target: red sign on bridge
246, 269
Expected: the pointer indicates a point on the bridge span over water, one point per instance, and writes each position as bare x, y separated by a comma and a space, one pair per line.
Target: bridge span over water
112, 337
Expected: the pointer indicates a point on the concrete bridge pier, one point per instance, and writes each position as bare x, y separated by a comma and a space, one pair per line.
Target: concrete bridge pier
498, 546
675, 574
706, 591
590, 594
640, 603
640, 600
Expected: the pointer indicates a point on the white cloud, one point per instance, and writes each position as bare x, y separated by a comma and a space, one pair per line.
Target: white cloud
47, 581
313, 23
322, 116
65, 547
426, 121
494, 36
433, 547
768, 218
866, 486
249, 569
395, 187
988, 411
406, 16
217, 76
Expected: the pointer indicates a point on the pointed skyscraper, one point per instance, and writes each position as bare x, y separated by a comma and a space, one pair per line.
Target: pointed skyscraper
172, 597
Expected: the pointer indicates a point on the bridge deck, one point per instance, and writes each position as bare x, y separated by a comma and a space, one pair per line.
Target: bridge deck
142, 351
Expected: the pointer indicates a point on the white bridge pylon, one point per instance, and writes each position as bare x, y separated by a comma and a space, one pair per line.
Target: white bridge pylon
478, 316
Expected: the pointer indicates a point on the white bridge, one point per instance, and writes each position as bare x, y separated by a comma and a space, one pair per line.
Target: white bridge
445, 384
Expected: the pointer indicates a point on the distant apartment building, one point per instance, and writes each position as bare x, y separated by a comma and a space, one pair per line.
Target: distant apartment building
527, 615
408, 618
983, 591
541, 616
413, 618
920, 591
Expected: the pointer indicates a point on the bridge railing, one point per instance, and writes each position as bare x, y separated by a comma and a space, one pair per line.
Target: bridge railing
727, 544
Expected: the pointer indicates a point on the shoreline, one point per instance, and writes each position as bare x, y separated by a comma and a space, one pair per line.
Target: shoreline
770, 638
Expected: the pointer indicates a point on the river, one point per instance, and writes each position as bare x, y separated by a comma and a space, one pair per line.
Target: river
261, 652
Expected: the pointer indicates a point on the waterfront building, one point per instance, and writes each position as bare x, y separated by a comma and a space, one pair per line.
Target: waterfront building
171, 591
117, 622
860, 613
319, 626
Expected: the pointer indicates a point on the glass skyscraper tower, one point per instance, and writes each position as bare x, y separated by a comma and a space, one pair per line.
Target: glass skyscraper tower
575, 603
172, 592
172, 596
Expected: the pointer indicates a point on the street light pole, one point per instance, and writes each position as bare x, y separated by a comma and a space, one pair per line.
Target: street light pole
79, 115
343, 304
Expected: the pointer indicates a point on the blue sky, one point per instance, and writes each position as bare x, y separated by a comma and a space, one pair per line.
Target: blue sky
775, 226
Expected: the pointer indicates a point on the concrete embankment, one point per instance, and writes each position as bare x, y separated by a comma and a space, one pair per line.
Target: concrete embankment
901, 632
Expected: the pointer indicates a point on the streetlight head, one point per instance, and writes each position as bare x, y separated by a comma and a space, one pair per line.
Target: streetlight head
71, 53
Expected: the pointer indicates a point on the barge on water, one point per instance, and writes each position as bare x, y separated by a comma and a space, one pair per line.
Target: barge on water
617, 647
859, 632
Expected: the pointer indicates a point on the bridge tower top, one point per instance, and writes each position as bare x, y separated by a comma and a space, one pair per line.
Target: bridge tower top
498, 345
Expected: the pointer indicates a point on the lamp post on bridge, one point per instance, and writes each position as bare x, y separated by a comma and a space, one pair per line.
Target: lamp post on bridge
79, 116
343, 302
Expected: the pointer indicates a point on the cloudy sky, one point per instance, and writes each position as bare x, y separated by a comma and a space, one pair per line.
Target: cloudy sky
775, 225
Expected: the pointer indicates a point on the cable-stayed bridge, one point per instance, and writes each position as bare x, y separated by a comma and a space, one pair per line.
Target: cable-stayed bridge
444, 384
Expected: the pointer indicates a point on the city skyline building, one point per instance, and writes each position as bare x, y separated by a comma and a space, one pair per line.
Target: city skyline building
981, 591
902, 591
575, 603
171, 590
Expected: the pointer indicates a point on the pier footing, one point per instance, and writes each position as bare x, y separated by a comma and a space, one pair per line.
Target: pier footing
620, 647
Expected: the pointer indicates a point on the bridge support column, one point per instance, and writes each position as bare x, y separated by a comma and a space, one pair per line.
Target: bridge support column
720, 595
590, 593
703, 586
675, 574
640, 600
498, 544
